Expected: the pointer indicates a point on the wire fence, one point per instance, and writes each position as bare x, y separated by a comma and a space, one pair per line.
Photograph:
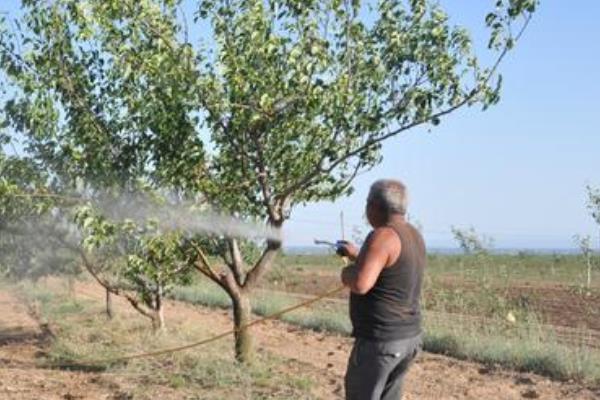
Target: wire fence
570, 336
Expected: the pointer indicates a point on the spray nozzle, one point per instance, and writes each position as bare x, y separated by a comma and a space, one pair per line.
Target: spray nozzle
336, 246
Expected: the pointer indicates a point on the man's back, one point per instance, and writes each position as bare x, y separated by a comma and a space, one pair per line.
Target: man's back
391, 309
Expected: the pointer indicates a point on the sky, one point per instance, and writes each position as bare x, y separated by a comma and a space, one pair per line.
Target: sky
516, 172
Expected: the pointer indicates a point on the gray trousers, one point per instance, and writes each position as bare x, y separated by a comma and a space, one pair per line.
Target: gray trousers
376, 370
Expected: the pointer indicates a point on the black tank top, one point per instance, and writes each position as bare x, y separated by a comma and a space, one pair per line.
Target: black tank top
391, 310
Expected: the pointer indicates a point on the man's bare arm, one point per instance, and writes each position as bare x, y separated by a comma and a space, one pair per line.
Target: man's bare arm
349, 275
373, 257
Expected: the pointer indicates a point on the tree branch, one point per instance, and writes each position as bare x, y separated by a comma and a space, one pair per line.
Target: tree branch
263, 180
237, 263
89, 266
374, 141
260, 267
70, 90
204, 267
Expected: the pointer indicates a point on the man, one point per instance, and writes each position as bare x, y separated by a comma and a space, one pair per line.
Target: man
385, 283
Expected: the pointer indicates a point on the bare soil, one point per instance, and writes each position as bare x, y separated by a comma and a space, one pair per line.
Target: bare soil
556, 304
321, 357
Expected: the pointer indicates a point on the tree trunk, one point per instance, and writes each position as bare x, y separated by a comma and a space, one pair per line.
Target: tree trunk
109, 305
243, 338
159, 316
71, 286
589, 272
158, 321
239, 290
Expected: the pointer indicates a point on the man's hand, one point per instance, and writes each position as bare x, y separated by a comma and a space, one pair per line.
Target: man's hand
347, 249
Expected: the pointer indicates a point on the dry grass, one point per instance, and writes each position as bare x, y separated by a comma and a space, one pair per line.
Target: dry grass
83, 333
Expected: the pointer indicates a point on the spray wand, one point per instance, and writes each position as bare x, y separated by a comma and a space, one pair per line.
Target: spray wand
336, 246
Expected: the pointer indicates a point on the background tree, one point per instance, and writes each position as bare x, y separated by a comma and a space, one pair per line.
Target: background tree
585, 242
471, 242
84, 118
593, 203
283, 102
134, 260
27, 230
585, 247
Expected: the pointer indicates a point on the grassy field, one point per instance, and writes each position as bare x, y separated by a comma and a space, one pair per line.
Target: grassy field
82, 333
525, 345
490, 285
486, 308
520, 268
482, 308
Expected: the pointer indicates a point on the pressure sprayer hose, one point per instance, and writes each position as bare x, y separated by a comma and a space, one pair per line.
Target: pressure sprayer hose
196, 344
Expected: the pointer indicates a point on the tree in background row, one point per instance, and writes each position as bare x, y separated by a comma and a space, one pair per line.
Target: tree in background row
279, 103
585, 247
135, 260
593, 204
471, 242
585, 242
24, 254
132, 260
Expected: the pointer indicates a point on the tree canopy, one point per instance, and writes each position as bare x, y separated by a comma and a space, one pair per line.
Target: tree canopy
280, 102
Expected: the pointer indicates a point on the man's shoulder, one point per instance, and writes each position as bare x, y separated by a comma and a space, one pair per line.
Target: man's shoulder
384, 233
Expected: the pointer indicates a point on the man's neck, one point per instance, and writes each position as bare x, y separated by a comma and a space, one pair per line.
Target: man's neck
397, 219
393, 219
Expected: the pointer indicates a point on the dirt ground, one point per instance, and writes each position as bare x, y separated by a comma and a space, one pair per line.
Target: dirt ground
319, 356
557, 304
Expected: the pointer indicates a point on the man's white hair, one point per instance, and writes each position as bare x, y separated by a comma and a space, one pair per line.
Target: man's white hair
391, 195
